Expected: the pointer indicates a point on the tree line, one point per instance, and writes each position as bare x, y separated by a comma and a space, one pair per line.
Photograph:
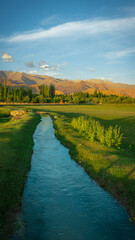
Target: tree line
98, 98
21, 94
47, 95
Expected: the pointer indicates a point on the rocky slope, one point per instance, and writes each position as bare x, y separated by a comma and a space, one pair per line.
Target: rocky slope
66, 86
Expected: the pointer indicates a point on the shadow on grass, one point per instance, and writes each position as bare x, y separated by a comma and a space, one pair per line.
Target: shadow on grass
5, 119
15, 161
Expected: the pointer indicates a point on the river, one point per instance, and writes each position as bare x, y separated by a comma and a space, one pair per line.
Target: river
61, 202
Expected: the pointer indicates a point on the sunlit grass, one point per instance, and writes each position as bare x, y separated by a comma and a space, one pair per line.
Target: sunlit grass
113, 169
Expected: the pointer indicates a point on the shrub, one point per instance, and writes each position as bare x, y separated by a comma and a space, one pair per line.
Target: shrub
94, 131
26, 99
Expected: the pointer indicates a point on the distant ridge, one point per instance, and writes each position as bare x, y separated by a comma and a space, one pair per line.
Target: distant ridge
66, 86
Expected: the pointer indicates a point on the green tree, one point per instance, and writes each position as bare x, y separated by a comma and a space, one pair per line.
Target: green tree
1, 92
46, 91
14, 94
8, 93
5, 90
28, 92
51, 90
26, 99
76, 99
21, 93
95, 94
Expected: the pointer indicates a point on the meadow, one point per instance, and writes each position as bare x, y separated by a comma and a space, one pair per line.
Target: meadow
16, 145
111, 167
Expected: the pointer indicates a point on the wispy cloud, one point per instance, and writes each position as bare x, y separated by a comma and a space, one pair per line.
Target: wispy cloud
78, 29
29, 64
6, 57
130, 10
120, 54
33, 72
53, 74
92, 69
105, 78
51, 20
44, 66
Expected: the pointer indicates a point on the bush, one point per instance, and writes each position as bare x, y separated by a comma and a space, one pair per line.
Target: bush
94, 131
26, 99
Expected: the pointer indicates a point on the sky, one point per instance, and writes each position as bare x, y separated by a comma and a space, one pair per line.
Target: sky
74, 39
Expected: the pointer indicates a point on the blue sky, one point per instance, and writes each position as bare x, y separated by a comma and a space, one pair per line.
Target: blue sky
69, 39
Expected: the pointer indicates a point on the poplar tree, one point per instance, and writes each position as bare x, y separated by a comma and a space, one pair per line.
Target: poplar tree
46, 91
8, 93
5, 90
14, 94
0, 92
51, 90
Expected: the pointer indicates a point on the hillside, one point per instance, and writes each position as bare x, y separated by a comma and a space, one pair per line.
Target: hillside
66, 86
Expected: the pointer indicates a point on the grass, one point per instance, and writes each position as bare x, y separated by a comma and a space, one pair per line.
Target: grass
16, 144
112, 168
94, 131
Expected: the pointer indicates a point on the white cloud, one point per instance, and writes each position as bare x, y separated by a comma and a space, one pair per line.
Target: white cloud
120, 54
105, 78
6, 57
33, 72
53, 74
78, 29
44, 67
92, 69
47, 67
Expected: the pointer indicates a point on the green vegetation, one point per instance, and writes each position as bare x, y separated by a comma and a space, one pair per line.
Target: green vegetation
20, 94
47, 95
16, 144
94, 131
112, 168
96, 98
14, 94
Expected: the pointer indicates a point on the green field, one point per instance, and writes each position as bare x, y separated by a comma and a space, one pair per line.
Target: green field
16, 144
112, 168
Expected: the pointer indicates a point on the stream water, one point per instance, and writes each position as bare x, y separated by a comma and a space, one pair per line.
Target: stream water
61, 202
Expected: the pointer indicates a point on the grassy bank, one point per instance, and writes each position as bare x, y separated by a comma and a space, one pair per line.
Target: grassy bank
16, 144
112, 168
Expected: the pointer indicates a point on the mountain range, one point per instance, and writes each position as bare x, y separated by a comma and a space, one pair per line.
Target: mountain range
66, 86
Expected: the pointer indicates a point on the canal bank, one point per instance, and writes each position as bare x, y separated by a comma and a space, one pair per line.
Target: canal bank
60, 201
16, 146
109, 167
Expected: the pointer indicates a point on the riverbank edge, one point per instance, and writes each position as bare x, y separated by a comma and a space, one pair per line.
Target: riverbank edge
10, 217
113, 190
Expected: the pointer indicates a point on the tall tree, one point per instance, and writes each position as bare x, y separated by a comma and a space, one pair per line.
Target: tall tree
14, 94
21, 92
8, 93
46, 91
5, 90
42, 89
51, 90
0, 92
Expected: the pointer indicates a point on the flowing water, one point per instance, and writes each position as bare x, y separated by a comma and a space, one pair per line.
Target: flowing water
61, 202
